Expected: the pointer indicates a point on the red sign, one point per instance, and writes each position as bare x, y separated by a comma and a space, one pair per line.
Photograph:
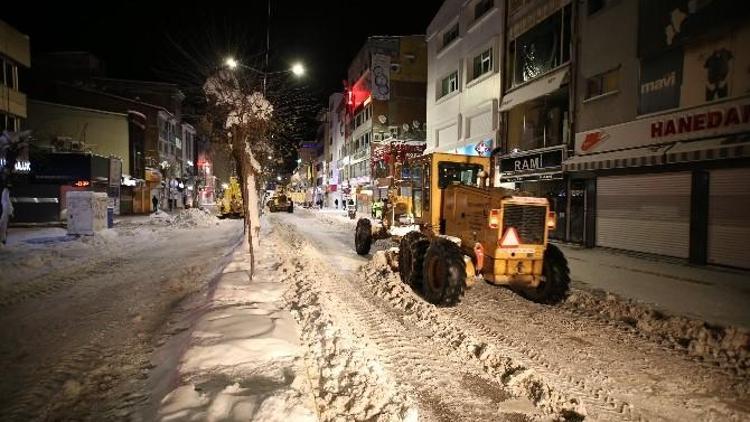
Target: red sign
731, 116
713, 120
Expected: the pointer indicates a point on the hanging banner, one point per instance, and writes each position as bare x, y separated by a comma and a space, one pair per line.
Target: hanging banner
661, 81
381, 77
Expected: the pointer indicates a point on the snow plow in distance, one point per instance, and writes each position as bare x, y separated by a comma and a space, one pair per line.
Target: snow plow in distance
454, 229
231, 204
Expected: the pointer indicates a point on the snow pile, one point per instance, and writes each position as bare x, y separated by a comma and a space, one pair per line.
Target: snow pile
348, 383
194, 217
160, 218
728, 347
243, 360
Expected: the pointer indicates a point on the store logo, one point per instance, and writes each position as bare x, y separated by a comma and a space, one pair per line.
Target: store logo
667, 81
482, 148
593, 139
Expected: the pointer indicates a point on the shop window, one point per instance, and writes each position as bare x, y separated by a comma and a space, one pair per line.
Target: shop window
450, 35
482, 7
541, 48
449, 84
482, 64
603, 83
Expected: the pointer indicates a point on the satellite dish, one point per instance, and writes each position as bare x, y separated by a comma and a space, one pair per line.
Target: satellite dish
382, 119
415, 124
405, 127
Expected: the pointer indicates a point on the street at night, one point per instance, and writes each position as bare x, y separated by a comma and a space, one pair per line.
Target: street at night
452, 210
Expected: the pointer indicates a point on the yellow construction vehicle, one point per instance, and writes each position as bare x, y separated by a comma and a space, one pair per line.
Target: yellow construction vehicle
454, 229
230, 204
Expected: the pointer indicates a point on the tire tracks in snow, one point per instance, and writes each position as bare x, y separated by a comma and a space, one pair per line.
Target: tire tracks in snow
447, 385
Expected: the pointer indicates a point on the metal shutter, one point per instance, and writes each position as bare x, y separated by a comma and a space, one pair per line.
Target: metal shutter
728, 227
645, 213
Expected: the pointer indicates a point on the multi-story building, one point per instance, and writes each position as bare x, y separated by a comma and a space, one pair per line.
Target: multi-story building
535, 105
662, 142
464, 47
336, 138
385, 105
14, 56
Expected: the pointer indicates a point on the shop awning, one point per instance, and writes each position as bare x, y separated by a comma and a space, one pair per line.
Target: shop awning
545, 85
634, 157
709, 149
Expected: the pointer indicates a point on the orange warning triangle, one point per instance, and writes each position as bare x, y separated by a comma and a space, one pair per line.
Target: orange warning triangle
510, 238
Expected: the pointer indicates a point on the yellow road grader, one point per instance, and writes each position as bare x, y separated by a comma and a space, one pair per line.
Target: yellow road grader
454, 229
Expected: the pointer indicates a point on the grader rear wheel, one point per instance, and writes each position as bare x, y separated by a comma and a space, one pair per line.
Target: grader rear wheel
363, 236
444, 273
556, 279
410, 257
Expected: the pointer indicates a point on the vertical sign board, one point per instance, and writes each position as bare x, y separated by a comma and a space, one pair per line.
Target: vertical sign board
661, 82
113, 187
381, 77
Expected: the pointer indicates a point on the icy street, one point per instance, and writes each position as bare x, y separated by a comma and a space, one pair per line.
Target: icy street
94, 329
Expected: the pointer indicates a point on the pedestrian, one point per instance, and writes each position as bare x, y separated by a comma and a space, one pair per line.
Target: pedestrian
5, 214
336, 203
155, 202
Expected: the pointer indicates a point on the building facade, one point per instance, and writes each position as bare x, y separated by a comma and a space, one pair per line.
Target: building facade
385, 109
336, 139
662, 138
465, 49
15, 57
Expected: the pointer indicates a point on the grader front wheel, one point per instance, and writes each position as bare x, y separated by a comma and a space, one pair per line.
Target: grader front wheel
363, 236
411, 252
444, 273
556, 279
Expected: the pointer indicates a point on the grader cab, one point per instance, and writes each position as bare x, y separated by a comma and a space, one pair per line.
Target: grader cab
455, 229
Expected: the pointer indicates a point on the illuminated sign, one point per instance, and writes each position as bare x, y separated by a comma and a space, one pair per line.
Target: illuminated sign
81, 183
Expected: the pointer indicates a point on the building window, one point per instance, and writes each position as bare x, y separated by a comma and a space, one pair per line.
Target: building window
450, 35
603, 83
540, 49
482, 64
482, 7
449, 84
9, 75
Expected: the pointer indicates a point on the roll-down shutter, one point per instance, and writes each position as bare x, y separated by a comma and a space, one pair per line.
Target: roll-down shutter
645, 213
728, 217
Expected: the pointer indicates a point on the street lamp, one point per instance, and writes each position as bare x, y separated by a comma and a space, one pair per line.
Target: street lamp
297, 70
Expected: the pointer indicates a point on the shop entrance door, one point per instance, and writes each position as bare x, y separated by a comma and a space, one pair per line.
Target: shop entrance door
577, 211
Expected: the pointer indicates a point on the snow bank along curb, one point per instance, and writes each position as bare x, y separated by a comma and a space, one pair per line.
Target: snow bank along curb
347, 382
726, 347
243, 360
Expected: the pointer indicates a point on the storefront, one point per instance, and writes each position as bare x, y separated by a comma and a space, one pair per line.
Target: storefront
539, 173
674, 184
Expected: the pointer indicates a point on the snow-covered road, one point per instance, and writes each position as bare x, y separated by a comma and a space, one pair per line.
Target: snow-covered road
80, 318
495, 356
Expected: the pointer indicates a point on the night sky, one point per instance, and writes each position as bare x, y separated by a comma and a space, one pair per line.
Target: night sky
151, 40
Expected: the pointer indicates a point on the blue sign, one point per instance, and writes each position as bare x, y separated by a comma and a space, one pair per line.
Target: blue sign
482, 148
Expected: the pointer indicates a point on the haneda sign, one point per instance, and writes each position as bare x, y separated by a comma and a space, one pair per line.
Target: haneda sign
718, 119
